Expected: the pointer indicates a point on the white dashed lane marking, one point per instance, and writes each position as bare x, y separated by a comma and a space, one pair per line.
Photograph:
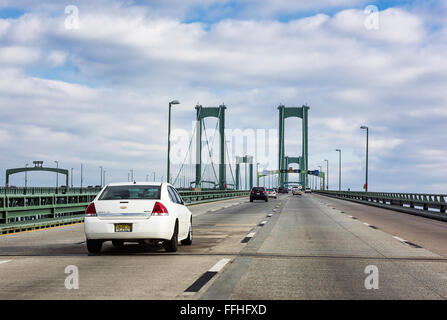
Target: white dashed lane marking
248, 237
204, 278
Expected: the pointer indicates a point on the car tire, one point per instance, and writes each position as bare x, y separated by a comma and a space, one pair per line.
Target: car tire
267, 200
171, 245
94, 246
251, 200
188, 241
117, 243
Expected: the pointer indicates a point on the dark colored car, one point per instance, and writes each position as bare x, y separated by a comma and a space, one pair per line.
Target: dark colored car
283, 190
259, 193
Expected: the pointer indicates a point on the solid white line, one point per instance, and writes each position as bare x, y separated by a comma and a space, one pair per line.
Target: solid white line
4, 261
250, 235
219, 265
400, 239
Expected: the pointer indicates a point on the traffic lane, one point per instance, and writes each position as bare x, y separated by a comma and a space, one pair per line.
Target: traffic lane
427, 233
102, 277
70, 239
314, 252
132, 271
323, 278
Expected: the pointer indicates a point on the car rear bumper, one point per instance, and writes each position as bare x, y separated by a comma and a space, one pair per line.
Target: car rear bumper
152, 228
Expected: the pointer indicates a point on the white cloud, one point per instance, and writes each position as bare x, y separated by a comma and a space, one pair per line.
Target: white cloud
129, 64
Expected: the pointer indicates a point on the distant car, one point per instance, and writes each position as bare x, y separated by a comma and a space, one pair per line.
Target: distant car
283, 190
137, 212
272, 193
258, 193
308, 190
296, 191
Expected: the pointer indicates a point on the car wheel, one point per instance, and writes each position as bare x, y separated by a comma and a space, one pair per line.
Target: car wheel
188, 241
251, 200
171, 245
267, 200
117, 243
94, 246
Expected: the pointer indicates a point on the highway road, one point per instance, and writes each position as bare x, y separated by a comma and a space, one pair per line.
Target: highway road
309, 247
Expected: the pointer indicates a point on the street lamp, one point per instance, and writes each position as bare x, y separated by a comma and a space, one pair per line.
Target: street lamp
104, 177
169, 137
26, 176
327, 174
257, 173
339, 169
131, 175
367, 136
81, 177
57, 175
101, 174
71, 177
319, 176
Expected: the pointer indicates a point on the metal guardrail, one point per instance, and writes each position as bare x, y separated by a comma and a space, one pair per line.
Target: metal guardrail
42, 209
46, 190
428, 205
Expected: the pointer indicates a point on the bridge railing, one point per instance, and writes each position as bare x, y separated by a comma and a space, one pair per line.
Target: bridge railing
47, 190
430, 205
42, 209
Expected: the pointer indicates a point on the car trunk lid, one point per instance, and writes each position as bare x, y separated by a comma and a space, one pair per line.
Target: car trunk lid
124, 209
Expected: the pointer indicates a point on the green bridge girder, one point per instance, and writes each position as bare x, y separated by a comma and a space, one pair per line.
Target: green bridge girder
219, 113
284, 113
245, 159
27, 169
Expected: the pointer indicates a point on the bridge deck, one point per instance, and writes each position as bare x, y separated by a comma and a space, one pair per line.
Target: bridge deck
310, 248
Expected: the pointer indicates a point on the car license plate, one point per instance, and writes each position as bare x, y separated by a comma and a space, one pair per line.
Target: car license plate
123, 227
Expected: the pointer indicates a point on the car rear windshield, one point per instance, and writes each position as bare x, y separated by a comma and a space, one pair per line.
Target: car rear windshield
255, 189
130, 192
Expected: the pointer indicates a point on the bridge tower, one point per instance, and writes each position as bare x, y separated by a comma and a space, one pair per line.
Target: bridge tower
219, 113
249, 160
284, 113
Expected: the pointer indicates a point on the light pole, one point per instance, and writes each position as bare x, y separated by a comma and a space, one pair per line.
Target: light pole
327, 174
147, 178
81, 177
104, 177
169, 137
257, 174
101, 174
26, 176
57, 175
339, 169
154, 176
367, 136
131, 175
320, 178
71, 177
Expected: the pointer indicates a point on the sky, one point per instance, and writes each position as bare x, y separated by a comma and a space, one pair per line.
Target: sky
89, 82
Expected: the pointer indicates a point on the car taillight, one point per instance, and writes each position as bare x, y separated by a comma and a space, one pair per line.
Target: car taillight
91, 210
252, 192
265, 191
159, 210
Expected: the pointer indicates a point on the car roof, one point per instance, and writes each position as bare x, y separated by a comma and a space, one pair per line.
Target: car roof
127, 183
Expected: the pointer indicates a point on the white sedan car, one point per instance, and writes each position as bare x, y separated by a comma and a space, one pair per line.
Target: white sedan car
138, 212
272, 193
